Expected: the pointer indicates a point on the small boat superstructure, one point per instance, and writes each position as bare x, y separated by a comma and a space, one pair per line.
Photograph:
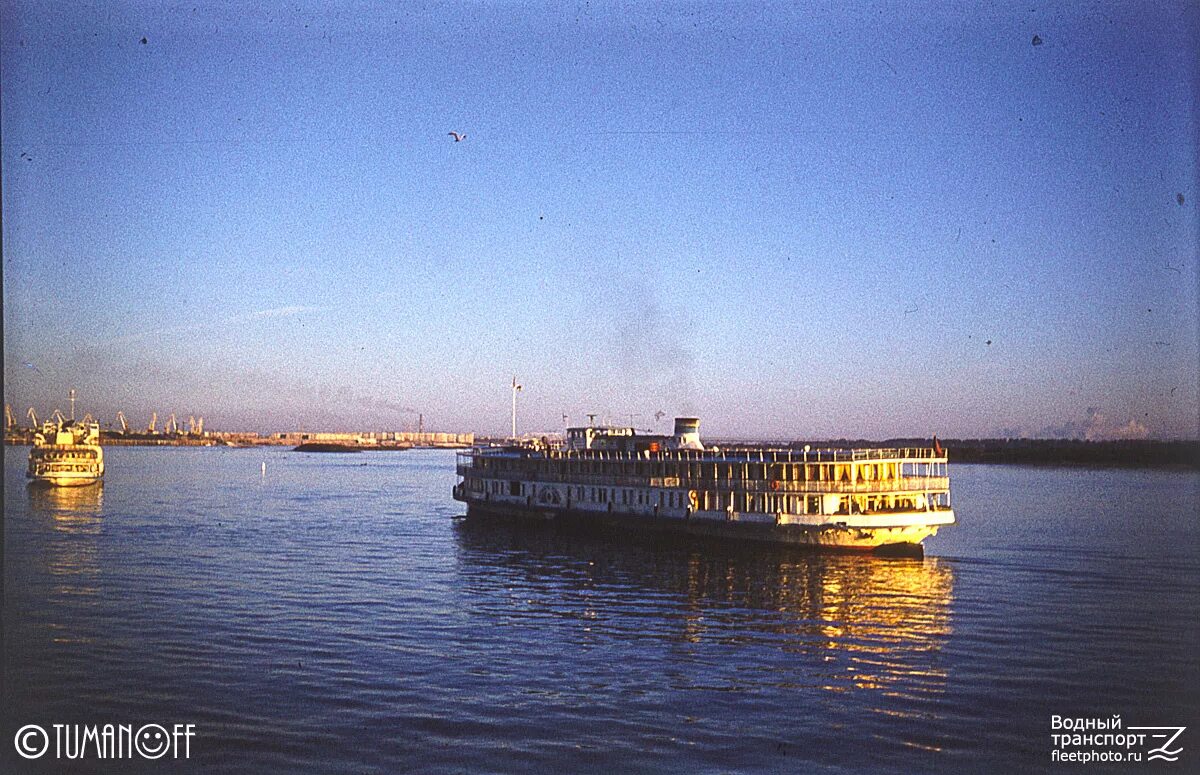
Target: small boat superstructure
67, 453
850, 499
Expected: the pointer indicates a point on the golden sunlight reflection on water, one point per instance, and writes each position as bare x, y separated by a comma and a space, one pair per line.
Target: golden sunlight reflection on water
835, 623
74, 519
66, 503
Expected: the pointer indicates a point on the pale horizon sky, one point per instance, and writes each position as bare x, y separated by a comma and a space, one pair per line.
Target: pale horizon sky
825, 220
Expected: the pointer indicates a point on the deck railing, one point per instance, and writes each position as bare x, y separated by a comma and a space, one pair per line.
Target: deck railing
722, 456
751, 455
810, 486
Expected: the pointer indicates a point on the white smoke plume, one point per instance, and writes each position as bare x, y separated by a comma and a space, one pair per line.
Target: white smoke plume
1096, 426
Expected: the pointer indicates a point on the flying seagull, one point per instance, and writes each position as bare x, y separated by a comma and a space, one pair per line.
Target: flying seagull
457, 137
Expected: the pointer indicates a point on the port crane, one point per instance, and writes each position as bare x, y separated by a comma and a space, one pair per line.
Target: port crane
124, 425
153, 420
10, 422
32, 415
172, 427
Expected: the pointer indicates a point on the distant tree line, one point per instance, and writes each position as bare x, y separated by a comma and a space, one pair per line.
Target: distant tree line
1141, 453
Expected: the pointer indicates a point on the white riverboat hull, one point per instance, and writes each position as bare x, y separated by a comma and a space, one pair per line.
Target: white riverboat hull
67, 480
892, 533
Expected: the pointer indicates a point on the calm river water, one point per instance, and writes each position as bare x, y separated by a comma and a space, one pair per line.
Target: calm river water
333, 616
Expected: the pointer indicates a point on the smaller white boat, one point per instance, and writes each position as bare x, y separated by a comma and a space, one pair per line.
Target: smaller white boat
67, 453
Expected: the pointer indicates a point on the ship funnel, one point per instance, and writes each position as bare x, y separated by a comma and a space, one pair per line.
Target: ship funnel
687, 433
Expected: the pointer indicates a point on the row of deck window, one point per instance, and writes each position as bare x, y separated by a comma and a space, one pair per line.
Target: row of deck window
73, 455
705, 500
784, 472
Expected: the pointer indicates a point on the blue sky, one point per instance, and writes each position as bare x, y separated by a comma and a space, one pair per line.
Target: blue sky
824, 220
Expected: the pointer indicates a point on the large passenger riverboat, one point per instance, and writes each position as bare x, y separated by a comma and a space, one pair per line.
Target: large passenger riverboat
842, 499
67, 453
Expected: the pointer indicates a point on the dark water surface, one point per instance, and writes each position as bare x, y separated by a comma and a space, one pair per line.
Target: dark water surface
332, 616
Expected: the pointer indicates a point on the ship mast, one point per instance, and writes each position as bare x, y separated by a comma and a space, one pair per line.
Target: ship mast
515, 389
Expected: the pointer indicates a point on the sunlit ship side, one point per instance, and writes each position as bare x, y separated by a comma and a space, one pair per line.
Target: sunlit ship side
67, 453
840, 499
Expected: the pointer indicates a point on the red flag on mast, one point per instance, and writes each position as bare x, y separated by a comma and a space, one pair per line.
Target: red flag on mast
937, 448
